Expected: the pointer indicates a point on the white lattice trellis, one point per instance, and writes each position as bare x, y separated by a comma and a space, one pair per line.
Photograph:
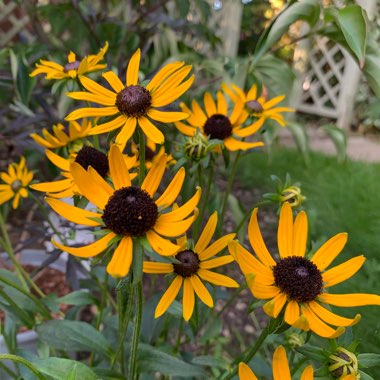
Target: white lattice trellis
328, 76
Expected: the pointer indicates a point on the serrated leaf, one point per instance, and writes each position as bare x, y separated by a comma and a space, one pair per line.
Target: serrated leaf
73, 336
353, 24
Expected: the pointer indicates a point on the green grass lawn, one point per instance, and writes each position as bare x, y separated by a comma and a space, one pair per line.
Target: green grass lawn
340, 198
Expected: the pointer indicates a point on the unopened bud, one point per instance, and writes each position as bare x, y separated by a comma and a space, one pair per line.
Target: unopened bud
292, 194
343, 363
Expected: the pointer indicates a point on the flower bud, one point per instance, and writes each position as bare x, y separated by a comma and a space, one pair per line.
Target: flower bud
292, 194
343, 363
197, 147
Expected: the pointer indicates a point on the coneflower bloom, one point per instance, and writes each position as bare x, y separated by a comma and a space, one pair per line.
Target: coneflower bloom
296, 283
16, 184
72, 68
216, 122
86, 157
280, 368
60, 138
126, 212
191, 268
258, 105
132, 103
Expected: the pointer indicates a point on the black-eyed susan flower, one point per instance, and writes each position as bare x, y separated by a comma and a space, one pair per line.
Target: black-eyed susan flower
60, 138
296, 283
217, 123
126, 211
86, 156
72, 68
192, 268
16, 184
280, 368
342, 363
132, 103
257, 105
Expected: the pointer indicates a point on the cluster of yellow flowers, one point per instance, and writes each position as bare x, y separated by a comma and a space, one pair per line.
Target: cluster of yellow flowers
125, 211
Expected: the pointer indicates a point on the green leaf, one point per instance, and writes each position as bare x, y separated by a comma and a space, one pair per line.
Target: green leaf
353, 24
151, 359
107, 374
372, 65
300, 137
365, 376
64, 369
368, 360
210, 361
73, 336
314, 353
339, 138
78, 298
306, 10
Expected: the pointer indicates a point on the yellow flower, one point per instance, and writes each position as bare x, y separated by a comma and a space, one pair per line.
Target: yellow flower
280, 368
191, 268
297, 282
87, 156
73, 68
16, 181
257, 105
134, 104
126, 212
217, 123
59, 138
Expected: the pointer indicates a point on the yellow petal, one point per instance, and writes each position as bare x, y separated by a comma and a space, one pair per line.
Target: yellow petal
217, 279
250, 129
216, 247
201, 291
183, 211
162, 74
245, 373
87, 96
110, 125
274, 307
132, 76
273, 102
292, 312
329, 251
60, 162
90, 250
118, 169
100, 181
264, 292
157, 268
168, 297
188, 299
343, 271
207, 233
172, 191
232, 144
72, 213
173, 229
154, 176
221, 103
122, 258
151, 131
90, 111
257, 242
53, 187
114, 81
166, 117
126, 132
308, 373
160, 245
285, 231
210, 105
348, 300
185, 129
280, 365
300, 234
331, 318
217, 262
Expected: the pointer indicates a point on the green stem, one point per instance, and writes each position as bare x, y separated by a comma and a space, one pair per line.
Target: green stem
248, 354
136, 332
20, 360
176, 349
228, 190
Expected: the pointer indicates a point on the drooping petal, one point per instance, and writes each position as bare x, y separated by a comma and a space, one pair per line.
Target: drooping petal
72, 213
280, 365
331, 318
160, 245
168, 297
207, 233
122, 258
343, 271
201, 291
285, 231
257, 241
300, 234
326, 254
188, 299
90, 250
151, 131
217, 279
118, 169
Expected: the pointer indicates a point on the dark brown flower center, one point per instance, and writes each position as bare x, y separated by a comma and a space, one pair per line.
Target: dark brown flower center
130, 211
298, 278
254, 106
133, 101
89, 156
189, 263
16, 185
218, 127
71, 66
